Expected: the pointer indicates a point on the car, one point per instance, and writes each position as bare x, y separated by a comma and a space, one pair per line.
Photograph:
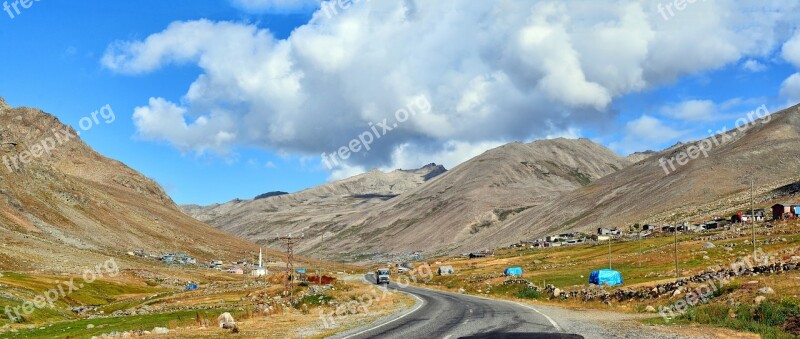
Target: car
382, 276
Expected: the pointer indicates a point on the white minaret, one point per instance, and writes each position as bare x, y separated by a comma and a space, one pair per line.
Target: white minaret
260, 263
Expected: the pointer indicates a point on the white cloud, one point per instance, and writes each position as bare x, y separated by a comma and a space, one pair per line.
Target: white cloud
645, 133
493, 70
695, 110
790, 88
791, 50
754, 66
276, 6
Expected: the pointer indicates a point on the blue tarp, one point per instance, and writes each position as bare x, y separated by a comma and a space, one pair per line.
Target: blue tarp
301, 271
605, 276
513, 271
796, 210
191, 287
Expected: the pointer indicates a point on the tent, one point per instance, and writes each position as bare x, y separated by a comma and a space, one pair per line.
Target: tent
191, 287
606, 276
513, 271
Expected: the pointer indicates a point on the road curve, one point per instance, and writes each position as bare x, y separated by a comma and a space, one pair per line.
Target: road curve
445, 315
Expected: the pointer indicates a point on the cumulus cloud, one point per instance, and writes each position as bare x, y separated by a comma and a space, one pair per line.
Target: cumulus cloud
754, 66
646, 132
276, 6
692, 110
494, 71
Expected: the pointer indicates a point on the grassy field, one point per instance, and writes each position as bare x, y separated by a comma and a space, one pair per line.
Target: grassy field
645, 262
190, 313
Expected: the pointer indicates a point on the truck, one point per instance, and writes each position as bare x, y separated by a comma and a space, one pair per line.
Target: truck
382, 276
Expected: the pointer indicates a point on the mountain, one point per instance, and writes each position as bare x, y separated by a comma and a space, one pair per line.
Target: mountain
651, 192
457, 210
261, 220
639, 156
63, 206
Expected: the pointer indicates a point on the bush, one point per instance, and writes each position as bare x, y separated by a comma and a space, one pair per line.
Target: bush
529, 294
313, 300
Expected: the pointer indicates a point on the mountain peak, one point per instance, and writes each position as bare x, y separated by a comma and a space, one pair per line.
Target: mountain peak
3, 103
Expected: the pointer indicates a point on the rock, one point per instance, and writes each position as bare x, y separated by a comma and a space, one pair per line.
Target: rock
728, 249
556, 293
705, 257
650, 309
759, 299
228, 326
160, 330
537, 262
677, 292
461, 290
90, 326
766, 290
709, 245
225, 318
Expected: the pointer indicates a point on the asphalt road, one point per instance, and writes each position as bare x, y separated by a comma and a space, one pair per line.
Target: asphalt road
447, 315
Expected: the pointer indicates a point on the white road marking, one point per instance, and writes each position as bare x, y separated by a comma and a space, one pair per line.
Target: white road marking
419, 305
448, 336
552, 322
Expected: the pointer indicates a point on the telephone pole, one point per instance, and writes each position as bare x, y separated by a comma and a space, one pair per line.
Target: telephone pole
675, 220
290, 241
753, 212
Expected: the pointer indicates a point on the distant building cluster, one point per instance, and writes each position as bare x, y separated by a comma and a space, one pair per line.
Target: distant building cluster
239, 267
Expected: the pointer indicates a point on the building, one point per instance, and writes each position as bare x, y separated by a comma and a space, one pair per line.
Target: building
260, 270
445, 270
235, 270
782, 211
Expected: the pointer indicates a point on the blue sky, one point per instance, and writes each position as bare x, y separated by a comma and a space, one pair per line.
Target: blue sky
246, 111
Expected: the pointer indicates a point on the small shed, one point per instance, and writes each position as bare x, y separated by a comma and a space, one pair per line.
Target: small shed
781, 211
445, 270
606, 276
513, 271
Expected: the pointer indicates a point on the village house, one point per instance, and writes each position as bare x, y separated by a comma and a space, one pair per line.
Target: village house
783, 211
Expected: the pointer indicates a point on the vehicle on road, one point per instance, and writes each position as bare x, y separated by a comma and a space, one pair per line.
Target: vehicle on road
382, 276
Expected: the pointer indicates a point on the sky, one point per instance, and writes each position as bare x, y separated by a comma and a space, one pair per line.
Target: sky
217, 100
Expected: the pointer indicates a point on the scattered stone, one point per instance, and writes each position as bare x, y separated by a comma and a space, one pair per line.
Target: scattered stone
709, 245
461, 290
677, 292
650, 309
705, 257
90, 326
160, 330
766, 290
225, 318
759, 299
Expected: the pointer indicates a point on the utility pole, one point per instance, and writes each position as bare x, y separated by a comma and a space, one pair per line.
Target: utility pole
753, 212
609, 252
675, 219
290, 241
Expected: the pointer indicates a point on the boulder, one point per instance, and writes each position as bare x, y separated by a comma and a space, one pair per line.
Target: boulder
709, 245
225, 318
759, 299
766, 290
90, 326
650, 309
160, 330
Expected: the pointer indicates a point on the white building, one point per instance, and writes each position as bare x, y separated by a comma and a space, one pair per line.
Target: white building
259, 271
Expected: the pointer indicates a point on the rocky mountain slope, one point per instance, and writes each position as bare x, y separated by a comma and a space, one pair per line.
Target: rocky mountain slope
455, 211
68, 206
717, 185
262, 219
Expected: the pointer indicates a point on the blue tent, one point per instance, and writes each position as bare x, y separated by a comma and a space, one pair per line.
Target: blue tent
513, 271
606, 276
191, 287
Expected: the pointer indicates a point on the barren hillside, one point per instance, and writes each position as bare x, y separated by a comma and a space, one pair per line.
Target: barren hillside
261, 219
714, 186
71, 206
